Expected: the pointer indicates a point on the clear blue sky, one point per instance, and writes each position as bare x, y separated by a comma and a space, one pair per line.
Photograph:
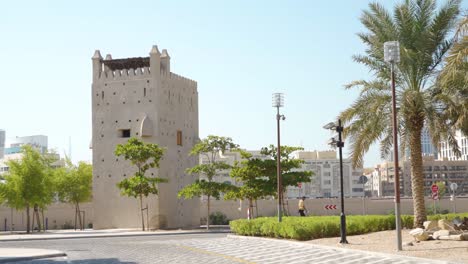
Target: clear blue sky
239, 52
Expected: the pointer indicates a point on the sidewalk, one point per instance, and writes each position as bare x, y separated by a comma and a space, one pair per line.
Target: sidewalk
22, 254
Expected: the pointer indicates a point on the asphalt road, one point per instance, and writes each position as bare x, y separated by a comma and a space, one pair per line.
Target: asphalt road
199, 248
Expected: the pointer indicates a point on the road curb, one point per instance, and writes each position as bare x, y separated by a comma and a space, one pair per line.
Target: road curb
17, 259
114, 235
388, 255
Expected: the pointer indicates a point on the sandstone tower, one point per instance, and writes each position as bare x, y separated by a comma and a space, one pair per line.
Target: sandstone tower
141, 97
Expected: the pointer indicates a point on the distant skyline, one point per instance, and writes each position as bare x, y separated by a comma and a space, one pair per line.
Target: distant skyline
239, 52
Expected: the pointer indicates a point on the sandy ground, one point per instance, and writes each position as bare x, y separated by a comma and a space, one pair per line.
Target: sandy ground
385, 242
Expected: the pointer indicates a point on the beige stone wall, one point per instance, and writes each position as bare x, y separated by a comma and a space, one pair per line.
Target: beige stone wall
153, 103
353, 206
56, 214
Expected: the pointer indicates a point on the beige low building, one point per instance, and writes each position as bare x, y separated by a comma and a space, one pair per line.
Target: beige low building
446, 171
140, 97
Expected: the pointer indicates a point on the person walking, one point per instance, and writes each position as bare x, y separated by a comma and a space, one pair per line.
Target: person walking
301, 206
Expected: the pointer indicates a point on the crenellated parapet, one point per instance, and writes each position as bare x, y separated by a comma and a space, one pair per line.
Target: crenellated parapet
178, 78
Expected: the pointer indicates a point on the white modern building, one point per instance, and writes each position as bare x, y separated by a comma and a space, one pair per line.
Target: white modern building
40, 142
446, 153
326, 180
324, 164
2, 143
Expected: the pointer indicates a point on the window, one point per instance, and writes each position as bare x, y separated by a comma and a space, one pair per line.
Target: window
124, 133
179, 138
327, 182
326, 174
358, 190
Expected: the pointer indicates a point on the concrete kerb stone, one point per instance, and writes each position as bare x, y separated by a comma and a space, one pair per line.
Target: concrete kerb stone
340, 247
8, 255
129, 234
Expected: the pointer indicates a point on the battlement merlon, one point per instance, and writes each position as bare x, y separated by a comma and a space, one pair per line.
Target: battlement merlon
157, 64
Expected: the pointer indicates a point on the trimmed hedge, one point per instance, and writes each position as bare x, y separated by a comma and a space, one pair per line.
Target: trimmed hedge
313, 227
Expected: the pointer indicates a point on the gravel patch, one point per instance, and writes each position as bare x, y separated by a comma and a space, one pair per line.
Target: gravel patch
385, 242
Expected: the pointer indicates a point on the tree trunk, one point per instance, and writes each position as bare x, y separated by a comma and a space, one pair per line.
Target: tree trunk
76, 215
79, 216
208, 215
38, 220
417, 178
251, 208
142, 215
28, 220
43, 221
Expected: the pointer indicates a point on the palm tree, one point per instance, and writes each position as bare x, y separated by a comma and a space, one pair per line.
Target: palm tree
421, 30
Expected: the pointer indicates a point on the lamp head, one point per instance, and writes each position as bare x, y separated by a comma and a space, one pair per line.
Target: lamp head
330, 126
277, 100
392, 52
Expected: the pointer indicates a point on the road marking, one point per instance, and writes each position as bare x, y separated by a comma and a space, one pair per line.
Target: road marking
216, 254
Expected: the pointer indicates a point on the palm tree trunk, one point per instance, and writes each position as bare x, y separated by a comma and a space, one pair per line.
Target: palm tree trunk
142, 215
208, 215
28, 220
417, 178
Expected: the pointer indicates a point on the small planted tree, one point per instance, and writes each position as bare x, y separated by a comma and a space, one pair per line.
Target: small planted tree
144, 156
28, 184
211, 147
74, 185
250, 172
290, 176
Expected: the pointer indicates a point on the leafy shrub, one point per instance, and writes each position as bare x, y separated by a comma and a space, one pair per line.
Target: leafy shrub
313, 227
218, 218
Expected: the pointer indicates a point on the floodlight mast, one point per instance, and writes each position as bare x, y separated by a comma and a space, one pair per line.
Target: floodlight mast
392, 56
278, 101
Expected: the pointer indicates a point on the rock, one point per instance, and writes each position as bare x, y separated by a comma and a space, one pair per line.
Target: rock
431, 225
408, 244
446, 225
440, 233
419, 234
451, 237
464, 236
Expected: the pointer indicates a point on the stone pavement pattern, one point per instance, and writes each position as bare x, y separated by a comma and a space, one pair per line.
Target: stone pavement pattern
202, 248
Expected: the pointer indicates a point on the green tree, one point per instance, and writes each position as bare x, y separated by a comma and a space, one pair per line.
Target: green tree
453, 80
250, 173
211, 147
74, 185
421, 30
290, 176
442, 188
28, 183
144, 156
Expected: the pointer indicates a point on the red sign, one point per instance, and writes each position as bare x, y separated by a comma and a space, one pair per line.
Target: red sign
435, 196
299, 184
435, 188
330, 206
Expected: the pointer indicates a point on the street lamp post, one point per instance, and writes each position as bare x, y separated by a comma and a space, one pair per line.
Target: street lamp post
340, 144
278, 101
392, 56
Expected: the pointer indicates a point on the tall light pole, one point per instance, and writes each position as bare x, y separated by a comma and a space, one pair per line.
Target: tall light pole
340, 144
278, 101
392, 56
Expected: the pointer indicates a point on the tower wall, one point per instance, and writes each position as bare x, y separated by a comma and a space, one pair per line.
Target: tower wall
153, 105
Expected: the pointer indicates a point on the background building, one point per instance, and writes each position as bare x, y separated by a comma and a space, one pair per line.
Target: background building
446, 152
446, 171
40, 142
141, 97
326, 180
2, 143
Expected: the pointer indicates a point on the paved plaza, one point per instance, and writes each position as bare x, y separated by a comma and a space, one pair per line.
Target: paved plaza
199, 248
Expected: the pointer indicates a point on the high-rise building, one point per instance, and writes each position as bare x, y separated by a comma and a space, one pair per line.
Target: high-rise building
2, 143
446, 152
40, 142
142, 98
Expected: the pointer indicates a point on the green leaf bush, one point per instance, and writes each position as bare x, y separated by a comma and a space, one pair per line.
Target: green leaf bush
313, 227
